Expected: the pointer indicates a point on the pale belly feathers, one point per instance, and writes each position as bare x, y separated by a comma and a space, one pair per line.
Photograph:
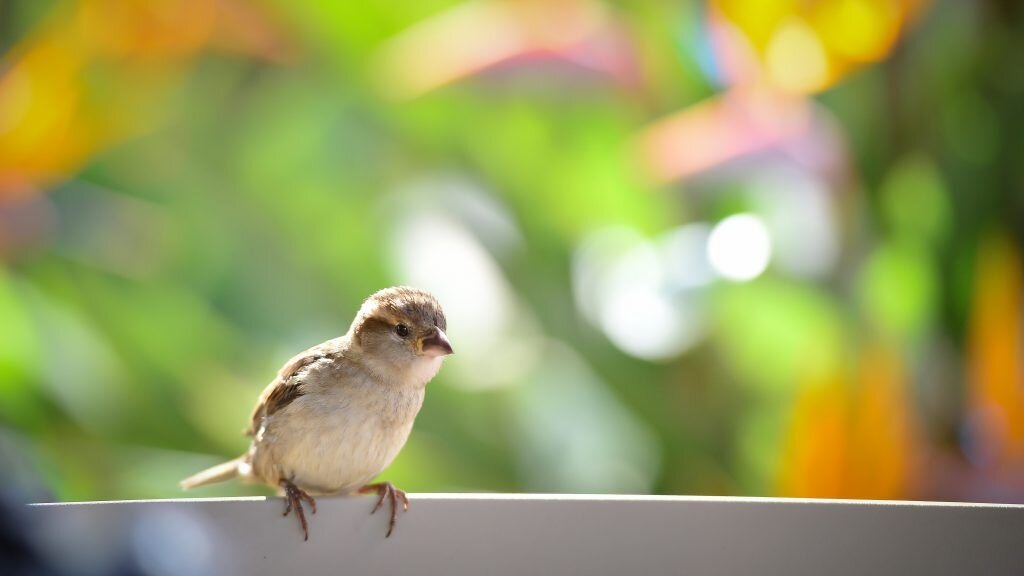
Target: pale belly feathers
337, 443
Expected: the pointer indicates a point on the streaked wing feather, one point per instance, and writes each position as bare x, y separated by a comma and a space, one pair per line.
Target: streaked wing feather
284, 389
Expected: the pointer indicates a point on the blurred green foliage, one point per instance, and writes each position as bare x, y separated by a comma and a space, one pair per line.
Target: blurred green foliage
152, 291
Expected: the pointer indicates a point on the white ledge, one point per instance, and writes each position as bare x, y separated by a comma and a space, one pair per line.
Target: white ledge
542, 534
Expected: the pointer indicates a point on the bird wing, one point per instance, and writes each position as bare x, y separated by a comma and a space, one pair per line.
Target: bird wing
285, 388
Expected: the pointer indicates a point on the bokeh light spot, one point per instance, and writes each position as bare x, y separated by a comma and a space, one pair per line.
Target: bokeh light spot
739, 247
796, 59
861, 30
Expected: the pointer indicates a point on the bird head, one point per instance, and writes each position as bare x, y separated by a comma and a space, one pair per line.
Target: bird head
402, 329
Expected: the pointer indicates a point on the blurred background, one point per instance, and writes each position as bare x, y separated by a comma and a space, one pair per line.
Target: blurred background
728, 247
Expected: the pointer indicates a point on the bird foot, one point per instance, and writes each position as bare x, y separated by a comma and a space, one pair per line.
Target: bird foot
294, 496
387, 490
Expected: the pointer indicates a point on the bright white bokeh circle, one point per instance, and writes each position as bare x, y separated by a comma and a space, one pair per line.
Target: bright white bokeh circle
739, 247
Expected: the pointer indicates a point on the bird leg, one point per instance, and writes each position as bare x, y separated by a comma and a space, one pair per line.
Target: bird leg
387, 490
294, 496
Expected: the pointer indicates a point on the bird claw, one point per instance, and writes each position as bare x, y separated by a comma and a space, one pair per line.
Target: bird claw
387, 490
294, 497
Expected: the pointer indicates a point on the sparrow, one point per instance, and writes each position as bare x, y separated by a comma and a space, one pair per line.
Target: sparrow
337, 414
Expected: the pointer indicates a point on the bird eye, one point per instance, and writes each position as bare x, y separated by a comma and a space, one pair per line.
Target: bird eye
402, 330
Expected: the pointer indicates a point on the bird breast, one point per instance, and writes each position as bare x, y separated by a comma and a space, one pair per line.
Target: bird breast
335, 439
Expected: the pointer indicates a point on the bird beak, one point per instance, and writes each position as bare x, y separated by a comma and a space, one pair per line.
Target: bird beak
436, 344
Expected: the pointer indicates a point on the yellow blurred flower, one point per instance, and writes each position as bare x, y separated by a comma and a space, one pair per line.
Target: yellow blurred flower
146, 29
995, 376
98, 71
803, 47
854, 442
42, 130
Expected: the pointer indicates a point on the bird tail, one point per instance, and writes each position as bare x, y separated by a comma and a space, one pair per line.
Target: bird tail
218, 473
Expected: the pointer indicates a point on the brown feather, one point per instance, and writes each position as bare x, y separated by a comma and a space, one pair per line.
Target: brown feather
284, 389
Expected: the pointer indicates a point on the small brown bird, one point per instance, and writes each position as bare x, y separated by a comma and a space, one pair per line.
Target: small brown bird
338, 413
